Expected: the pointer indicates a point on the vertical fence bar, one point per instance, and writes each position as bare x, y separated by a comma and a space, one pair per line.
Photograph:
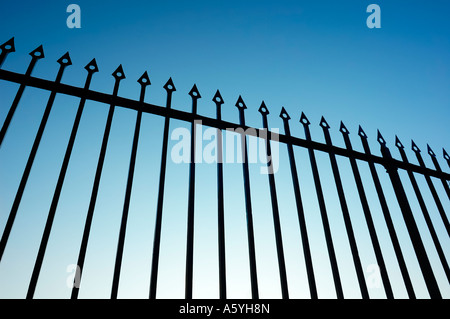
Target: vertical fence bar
91, 68
144, 81
195, 95
118, 75
36, 55
6, 48
323, 211
424, 209
275, 211
387, 218
248, 204
218, 100
300, 210
411, 225
30, 161
345, 213
438, 168
432, 188
170, 88
368, 216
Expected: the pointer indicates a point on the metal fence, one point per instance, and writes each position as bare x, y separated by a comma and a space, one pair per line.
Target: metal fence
386, 160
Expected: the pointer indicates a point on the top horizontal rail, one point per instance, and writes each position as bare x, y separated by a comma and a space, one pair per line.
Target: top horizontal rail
220, 124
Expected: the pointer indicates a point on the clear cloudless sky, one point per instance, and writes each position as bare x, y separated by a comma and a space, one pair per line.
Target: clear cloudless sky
317, 57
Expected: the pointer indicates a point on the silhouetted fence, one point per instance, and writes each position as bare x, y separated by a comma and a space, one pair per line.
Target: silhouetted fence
391, 165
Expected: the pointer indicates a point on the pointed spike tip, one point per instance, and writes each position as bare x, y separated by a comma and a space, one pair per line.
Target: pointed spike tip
169, 86
446, 156
65, 59
263, 109
430, 151
323, 123
240, 104
343, 129
194, 93
144, 80
398, 143
92, 66
217, 98
361, 132
414, 147
38, 53
380, 138
284, 115
8, 46
304, 120
118, 73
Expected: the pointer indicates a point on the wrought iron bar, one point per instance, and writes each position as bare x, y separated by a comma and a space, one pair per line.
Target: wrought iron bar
63, 61
346, 214
323, 211
36, 55
275, 211
248, 203
91, 67
118, 75
300, 209
170, 88
195, 95
438, 168
218, 100
144, 81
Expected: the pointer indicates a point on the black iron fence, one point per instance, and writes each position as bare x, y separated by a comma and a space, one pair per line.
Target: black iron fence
386, 160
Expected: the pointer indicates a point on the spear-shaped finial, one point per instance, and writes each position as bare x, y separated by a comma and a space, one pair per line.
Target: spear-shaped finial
324, 124
430, 151
446, 156
92, 67
144, 80
6, 48
65, 60
38, 53
304, 120
169, 86
217, 98
240, 104
263, 109
284, 115
194, 93
398, 143
380, 139
414, 147
118, 74
361, 132
343, 129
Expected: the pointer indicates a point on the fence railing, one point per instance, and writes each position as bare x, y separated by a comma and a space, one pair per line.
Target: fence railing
391, 165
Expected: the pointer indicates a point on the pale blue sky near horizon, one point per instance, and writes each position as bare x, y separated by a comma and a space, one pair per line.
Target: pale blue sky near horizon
317, 57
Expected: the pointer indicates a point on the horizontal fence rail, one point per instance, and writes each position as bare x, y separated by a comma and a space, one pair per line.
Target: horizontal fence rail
396, 195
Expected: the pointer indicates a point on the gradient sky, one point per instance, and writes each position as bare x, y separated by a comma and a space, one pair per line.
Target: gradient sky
318, 57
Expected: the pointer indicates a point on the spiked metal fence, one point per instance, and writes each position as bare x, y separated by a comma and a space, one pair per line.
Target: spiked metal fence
391, 165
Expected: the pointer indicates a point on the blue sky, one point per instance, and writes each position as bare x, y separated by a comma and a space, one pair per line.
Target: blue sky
318, 57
